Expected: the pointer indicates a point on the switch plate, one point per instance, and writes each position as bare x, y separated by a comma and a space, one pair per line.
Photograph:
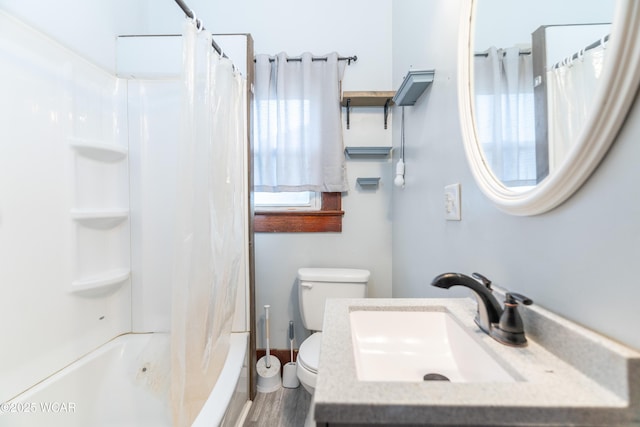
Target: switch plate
452, 202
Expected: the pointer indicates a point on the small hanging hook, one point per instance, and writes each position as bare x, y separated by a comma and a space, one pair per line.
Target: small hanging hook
603, 42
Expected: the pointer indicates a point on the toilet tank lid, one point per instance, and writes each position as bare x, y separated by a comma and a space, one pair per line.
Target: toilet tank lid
348, 275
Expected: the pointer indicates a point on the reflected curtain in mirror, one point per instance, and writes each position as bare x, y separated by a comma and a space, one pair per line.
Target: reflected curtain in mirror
505, 119
575, 80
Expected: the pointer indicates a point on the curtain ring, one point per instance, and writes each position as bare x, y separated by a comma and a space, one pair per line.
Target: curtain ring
196, 22
581, 54
603, 42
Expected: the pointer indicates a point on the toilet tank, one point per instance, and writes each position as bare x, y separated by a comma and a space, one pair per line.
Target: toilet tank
315, 285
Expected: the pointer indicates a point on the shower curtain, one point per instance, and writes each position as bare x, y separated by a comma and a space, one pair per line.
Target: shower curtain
571, 89
209, 223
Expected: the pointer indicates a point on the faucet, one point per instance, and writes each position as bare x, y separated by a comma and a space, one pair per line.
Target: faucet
504, 325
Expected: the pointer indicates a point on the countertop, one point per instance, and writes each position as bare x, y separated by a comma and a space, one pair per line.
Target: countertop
566, 375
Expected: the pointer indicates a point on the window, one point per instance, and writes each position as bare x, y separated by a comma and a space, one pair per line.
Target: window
289, 201
298, 150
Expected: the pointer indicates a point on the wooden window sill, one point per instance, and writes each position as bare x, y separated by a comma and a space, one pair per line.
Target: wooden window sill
328, 219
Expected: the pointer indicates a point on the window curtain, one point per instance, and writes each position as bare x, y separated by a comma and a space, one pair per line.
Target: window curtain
571, 88
504, 112
209, 242
297, 124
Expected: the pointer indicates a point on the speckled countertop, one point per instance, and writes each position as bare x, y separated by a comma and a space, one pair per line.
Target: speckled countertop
567, 375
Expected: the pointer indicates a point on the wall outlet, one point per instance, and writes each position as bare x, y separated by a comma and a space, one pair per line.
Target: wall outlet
452, 202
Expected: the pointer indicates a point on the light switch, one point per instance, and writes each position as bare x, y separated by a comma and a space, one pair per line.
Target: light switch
452, 202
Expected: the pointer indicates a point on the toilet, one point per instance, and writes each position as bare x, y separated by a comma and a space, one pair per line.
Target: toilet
315, 285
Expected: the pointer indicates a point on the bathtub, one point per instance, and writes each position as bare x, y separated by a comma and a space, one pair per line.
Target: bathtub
125, 383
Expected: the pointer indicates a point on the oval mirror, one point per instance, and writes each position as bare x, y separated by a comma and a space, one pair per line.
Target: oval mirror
544, 87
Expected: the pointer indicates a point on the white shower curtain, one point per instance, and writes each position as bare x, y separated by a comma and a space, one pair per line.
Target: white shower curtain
210, 227
571, 89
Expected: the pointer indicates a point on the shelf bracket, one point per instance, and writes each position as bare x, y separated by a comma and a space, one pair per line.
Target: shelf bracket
348, 111
386, 111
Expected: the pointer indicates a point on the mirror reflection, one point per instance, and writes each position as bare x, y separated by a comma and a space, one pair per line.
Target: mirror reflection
536, 68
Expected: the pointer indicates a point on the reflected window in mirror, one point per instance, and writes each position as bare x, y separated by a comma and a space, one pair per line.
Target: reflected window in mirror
505, 118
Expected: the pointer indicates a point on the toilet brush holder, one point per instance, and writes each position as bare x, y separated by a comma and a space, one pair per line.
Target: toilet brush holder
290, 371
290, 375
268, 367
268, 377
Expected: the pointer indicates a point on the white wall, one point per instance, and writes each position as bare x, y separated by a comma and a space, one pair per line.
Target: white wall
577, 260
52, 99
86, 27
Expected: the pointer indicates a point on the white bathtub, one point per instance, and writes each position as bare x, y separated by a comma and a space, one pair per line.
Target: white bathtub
125, 383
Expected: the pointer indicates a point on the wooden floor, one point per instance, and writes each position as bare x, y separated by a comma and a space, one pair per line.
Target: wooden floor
286, 407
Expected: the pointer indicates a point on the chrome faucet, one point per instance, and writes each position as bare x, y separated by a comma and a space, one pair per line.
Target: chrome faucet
504, 325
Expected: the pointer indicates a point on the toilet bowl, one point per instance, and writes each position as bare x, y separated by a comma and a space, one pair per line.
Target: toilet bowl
307, 361
315, 285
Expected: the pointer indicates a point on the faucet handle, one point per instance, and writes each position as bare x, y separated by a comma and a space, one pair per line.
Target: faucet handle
514, 298
510, 329
482, 280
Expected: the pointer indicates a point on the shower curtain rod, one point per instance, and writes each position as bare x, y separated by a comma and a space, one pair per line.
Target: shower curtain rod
353, 58
199, 25
522, 52
577, 55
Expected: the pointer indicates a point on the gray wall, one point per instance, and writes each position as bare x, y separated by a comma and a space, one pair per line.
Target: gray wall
577, 260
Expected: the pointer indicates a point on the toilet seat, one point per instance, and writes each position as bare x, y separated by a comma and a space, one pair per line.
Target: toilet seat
309, 352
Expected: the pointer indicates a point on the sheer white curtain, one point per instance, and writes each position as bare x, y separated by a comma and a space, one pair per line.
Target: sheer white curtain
504, 112
297, 124
210, 229
570, 91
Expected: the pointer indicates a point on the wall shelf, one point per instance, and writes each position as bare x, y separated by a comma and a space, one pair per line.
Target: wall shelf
370, 152
97, 150
99, 218
100, 284
367, 99
368, 182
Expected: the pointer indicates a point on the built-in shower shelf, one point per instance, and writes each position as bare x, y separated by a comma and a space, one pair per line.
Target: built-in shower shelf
100, 284
100, 218
97, 150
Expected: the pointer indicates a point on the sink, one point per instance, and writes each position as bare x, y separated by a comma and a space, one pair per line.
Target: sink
376, 351
406, 346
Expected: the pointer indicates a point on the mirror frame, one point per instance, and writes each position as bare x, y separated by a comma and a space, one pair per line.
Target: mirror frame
621, 78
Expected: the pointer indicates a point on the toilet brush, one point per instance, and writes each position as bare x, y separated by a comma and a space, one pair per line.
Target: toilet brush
268, 366
289, 373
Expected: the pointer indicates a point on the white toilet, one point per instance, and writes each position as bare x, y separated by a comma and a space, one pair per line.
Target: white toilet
315, 285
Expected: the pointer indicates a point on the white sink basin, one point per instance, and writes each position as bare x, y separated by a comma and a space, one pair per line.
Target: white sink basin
394, 345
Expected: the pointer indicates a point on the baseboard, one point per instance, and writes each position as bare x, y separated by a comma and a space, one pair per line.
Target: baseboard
284, 356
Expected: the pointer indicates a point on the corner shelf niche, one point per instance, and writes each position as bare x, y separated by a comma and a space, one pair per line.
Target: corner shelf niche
367, 99
101, 284
100, 214
98, 150
103, 219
